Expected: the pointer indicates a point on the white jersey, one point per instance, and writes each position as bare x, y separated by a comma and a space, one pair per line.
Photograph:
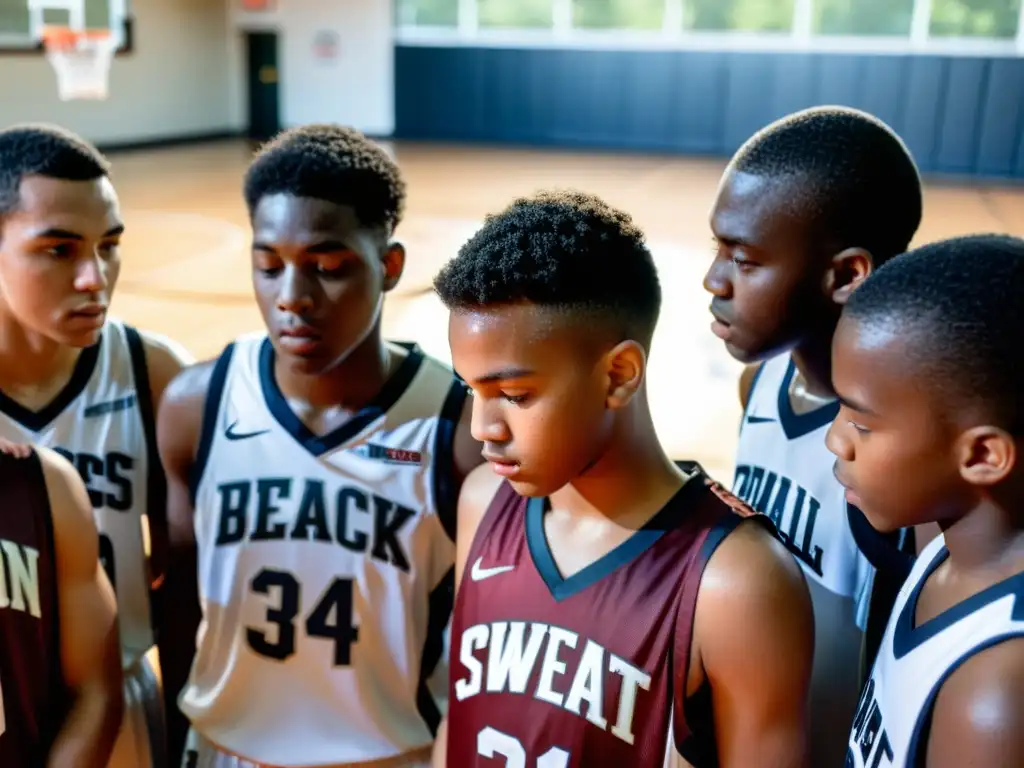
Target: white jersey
325, 566
914, 661
784, 470
102, 422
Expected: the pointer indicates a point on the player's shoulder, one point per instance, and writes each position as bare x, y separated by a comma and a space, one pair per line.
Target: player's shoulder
478, 491
70, 508
978, 717
750, 555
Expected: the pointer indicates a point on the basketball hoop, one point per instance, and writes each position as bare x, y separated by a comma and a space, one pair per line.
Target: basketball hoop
81, 59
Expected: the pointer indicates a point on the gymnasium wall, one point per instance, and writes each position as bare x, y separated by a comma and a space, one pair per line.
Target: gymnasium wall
958, 114
354, 87
173, 85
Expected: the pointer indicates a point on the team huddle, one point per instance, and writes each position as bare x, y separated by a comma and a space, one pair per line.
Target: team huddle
326, 548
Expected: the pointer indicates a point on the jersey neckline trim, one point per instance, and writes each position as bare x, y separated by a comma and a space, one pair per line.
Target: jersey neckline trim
795, 424
37, 421
317, 445
562, 588
908, 636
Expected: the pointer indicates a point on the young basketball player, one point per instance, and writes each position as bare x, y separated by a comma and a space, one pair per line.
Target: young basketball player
314, 467
806, 209
60, 665
926, 364
607, 599
84, 384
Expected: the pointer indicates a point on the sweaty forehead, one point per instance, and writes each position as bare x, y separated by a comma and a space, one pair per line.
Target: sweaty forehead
299, 219
518, 338
761, 210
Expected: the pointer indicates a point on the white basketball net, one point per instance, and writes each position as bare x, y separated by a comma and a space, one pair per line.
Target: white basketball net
82, 62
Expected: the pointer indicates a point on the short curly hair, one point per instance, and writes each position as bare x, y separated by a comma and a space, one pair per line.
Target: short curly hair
856, 178
562, 249
957, 305
333, 163
40, 149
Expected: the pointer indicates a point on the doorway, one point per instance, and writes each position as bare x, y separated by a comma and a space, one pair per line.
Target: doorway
262, 78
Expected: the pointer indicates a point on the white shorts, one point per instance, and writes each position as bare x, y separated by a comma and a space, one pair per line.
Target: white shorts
200, 753
140, 742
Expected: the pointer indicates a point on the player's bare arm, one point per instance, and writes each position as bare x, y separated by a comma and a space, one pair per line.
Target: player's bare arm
754, 641
178, 426
89, 648
165, 359
979, 713
747, 382
475, 497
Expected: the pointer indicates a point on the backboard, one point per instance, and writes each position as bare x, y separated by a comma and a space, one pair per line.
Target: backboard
22, 21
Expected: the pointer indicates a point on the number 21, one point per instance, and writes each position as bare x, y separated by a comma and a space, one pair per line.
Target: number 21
491, 742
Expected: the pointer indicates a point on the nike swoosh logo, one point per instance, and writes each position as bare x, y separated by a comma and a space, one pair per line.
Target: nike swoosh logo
110, 406
230, 433
479, 573
759, 420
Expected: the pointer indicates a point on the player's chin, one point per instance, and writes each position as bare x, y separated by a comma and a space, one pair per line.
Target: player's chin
877, 517
525, 485
82, 338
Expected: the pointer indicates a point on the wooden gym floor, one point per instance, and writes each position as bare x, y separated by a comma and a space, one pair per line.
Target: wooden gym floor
186, 271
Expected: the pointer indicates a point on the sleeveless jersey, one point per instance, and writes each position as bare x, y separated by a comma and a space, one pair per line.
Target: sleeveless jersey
33, 698
784, 470
325, 566
553, 672
102, 422
891, 726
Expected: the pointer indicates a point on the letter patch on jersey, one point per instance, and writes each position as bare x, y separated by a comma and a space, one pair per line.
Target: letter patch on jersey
274, 509
513, 650
790, 507
388, 455
869, 743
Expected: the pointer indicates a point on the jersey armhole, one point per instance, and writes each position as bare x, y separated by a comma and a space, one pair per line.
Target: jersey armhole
750, 392
685, 738
445, 485
156, 481
211, 407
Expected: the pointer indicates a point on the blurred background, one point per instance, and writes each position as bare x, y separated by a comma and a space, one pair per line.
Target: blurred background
640, 101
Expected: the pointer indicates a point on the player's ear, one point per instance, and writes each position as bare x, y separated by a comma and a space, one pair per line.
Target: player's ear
986, 454
626, 363
848, 269
393, 260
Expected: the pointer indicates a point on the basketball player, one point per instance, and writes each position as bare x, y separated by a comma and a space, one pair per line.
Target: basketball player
315, 469
84, 384
926, 363
806, 209
612, 608
60, 673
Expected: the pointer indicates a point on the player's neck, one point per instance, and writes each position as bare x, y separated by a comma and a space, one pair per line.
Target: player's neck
813, 360
351, 384
29, 360
989, 538
632, 479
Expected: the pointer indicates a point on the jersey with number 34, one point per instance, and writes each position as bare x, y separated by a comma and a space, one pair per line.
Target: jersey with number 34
589, 670
324, 564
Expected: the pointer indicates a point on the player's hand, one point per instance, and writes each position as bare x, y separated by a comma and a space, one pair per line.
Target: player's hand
17, 450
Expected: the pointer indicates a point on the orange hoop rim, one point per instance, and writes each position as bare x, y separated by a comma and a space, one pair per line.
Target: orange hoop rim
55, 36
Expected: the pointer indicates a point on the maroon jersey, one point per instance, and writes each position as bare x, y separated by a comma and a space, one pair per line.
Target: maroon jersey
33, 701
590, 670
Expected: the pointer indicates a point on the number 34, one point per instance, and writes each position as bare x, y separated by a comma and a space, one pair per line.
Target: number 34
493, 743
